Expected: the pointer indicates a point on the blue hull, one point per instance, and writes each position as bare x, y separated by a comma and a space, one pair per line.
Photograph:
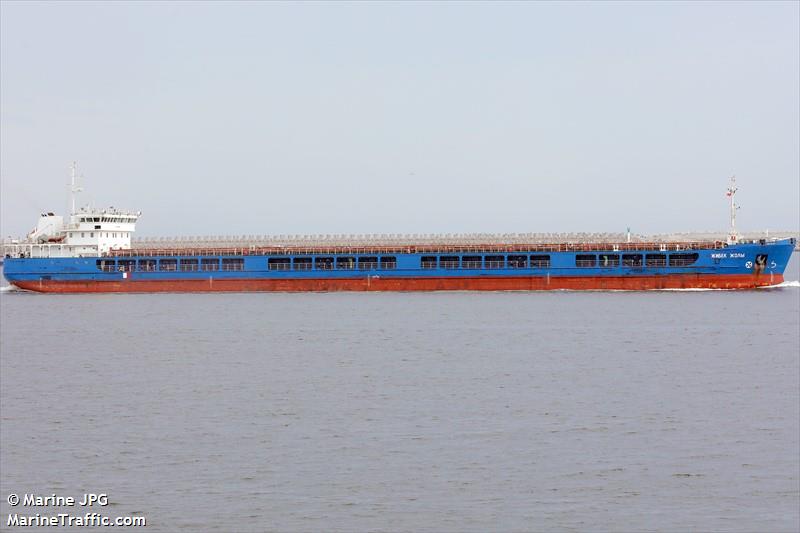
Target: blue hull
742, 265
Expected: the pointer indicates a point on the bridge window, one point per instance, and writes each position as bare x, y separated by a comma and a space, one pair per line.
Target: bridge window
655, 260
585, 261
388, 262
209, 264
168, 265
540, 261
279, 263
517, 261
233, 264
345, 263
471, 261
682, 260
189, 265
448, 261
609, 260
495, 261
302, 263
368, 263
632, 260
428, 261
324, 263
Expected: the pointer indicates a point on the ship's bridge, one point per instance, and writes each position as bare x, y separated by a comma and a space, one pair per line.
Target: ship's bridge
90, 231
93, 230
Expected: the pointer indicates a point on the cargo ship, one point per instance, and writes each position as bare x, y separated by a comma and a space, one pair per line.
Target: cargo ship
92, 253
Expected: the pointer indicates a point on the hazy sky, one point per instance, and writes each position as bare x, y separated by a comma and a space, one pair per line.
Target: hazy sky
230, 118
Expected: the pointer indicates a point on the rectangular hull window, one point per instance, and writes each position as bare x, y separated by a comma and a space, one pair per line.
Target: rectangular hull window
279, 263
540, 261
168, 265
495, 261
448, 261
302, 263
585, 261
655, 260
147, 265
609, 260
471, 261
345, 263
428, 261
209, 265
189, 265
632, 260
106, 265
388, 263
324, 263
517, 261
233, 264
682, 260
368, 263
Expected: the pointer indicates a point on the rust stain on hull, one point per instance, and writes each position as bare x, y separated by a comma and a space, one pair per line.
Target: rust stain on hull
539, 283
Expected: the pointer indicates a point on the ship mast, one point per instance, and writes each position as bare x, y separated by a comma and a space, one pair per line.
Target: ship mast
74, 188
732, 236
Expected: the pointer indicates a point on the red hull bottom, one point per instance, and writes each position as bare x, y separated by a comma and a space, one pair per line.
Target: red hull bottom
685, 281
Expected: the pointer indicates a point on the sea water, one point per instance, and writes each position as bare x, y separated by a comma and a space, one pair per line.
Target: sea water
623, 411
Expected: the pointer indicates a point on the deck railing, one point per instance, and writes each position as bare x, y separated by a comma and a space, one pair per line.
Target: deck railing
422, 248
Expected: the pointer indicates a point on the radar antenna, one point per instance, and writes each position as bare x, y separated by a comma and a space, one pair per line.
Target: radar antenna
732, 236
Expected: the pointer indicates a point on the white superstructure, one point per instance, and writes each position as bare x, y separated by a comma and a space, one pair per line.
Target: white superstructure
93, 230
89, 232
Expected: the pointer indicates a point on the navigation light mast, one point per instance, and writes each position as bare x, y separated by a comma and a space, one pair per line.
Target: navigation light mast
732, 236
74, 188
